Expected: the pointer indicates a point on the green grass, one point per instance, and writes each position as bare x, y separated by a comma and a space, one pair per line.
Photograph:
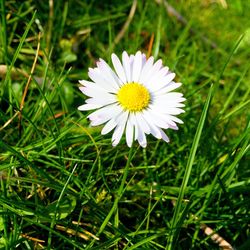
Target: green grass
63, 186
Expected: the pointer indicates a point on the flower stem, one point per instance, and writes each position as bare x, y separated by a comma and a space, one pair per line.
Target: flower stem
119, 192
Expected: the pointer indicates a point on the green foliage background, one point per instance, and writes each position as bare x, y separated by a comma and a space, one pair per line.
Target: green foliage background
62, 182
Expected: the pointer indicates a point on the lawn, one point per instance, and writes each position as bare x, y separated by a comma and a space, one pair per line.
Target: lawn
63, 184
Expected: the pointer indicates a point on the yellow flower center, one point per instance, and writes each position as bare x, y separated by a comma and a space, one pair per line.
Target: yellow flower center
133, 97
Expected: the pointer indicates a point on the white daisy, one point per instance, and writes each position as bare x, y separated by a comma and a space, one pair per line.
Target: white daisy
136, 98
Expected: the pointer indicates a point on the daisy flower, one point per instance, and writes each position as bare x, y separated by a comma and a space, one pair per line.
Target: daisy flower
135, 98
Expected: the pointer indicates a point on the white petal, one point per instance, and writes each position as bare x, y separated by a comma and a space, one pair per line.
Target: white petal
141, 138
177, 105
85, 107
170, 96
108, 73
94, 92
164, 71
158, 81
137, 65
153, 129
148, 65
131, 60
87, 84
162, 101
156, 118
142, 123
104, 114
171, 111
164, 136
104, 100
171, 86
144, 59
134, 122
129, 132
118, 67
152, 70
126, 65
163, 104
98, 94
111, 124
161, 119
175, 119
98, 77
157, 76
84, 82
116, 137
114, 108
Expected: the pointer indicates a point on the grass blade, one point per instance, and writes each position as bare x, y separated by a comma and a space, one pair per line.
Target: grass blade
177, 212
